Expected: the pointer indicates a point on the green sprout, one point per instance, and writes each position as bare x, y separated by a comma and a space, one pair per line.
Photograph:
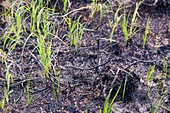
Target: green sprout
2, 104
146, 32
45, 54
65, 5
124, 88
150, 72
129, 30
15, 27
108, 105
29, 98
169, 27
75, 31
117, 20
124, 26
156, 104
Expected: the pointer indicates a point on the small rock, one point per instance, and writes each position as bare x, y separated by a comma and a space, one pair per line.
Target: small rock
141, 110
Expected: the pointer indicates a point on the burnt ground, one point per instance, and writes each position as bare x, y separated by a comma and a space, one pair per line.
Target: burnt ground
86, 75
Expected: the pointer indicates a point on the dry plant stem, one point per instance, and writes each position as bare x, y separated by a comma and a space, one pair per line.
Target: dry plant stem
36, 59
98, 58
117, 73
82, 68
126, 72
2, 79
108, 40
39, 90
116, 76
71, 88
23, 81
17, 100
140, 61
53, 79
74, 50
151, 4
73, 11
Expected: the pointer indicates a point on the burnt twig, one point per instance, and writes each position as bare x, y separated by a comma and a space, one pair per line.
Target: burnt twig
140, 61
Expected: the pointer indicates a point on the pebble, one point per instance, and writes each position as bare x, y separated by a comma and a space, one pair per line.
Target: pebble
141, 110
